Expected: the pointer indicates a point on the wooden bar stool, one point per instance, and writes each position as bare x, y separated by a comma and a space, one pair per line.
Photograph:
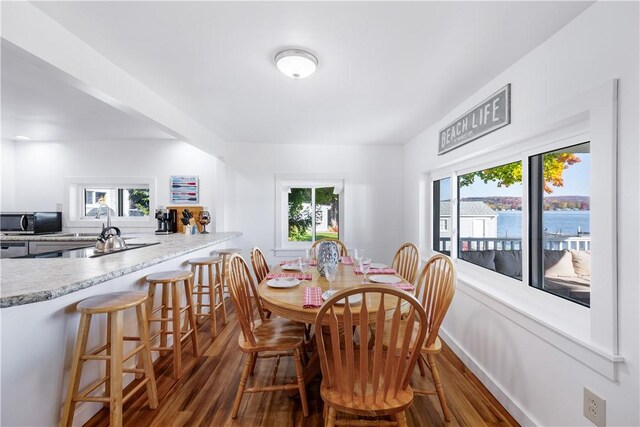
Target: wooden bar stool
226, 256
169, 281
113, 305
212, 288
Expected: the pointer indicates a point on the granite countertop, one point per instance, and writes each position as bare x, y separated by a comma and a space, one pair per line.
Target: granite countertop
54, 237
26, 281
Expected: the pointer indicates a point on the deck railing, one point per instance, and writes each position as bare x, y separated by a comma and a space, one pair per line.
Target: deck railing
551, 241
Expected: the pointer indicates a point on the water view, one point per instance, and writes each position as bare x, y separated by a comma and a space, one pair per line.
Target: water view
560, 222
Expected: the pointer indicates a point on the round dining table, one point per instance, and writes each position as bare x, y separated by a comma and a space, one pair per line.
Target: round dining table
288, 302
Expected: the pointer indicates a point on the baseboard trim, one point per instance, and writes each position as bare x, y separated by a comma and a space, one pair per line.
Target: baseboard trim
511, 405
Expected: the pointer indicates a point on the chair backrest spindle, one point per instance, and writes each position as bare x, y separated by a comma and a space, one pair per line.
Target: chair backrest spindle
435, 288
406, 261
242, 289
259, 264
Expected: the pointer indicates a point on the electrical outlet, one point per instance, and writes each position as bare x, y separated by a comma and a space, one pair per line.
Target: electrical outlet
594, 408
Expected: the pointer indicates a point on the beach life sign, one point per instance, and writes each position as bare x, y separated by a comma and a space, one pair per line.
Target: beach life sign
491, 114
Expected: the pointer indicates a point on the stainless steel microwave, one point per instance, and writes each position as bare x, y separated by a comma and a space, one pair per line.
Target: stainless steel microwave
30, 222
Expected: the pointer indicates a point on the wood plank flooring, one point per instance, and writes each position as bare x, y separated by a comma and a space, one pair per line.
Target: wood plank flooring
205, 393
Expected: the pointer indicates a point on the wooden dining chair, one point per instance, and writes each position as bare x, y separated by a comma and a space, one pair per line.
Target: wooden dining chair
406, 262
370, 381
260, 270
341, 247
434, 289
261, 337
259, 264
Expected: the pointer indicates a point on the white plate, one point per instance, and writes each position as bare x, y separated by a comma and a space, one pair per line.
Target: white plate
384, 278
353, 299
378, 265
290, 267
283, 283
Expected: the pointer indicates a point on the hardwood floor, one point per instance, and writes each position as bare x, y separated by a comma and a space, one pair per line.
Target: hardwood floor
205, 393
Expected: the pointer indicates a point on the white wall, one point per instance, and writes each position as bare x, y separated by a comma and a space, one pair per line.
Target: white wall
535, 380
373, 192
7, 188
38, 183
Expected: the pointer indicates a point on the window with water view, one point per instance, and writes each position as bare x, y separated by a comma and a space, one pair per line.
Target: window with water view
314, 214
560, 206
490, 221
490, 218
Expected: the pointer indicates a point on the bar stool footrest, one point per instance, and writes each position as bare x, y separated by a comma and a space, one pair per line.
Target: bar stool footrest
144, 381
84, 393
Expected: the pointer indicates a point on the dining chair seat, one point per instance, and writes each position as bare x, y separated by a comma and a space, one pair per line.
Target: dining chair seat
275, 334
375, 405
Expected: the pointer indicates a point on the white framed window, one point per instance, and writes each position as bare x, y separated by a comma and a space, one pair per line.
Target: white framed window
128, 201
582, 325
309, 207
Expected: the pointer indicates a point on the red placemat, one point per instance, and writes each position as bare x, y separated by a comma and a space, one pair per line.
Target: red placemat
377, 271
404, 286
295, 261
312, 297
346, 260
299, 276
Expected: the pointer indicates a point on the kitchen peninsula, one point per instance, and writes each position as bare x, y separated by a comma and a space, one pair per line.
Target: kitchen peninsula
39, 322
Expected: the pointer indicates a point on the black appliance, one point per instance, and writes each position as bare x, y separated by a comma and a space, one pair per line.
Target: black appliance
167, 221
30, 222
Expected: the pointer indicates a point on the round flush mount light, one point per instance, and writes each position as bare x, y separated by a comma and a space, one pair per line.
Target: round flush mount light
21, 138
296, 63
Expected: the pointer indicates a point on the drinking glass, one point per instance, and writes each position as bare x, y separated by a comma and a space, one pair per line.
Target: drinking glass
364, 265
330, 272
357, 261
303, 265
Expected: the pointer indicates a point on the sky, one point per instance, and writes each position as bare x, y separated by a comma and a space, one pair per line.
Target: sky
576, 183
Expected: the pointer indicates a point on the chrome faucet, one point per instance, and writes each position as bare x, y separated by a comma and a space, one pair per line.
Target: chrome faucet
102, 203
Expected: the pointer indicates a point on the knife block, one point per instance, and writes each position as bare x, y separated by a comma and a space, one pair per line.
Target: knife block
195, 210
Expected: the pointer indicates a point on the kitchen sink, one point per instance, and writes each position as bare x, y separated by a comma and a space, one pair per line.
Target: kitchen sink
87, 252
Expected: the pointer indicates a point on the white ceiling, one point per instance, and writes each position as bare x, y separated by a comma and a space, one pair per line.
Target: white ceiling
387, 70
37, 102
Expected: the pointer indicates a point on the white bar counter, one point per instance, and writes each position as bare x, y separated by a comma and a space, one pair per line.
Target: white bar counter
39, 322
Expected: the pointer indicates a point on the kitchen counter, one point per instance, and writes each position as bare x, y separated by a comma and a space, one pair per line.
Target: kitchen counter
40, 321
26, 281
57, 237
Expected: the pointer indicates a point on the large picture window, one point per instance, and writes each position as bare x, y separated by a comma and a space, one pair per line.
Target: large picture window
559, 212
490, 218
558, 226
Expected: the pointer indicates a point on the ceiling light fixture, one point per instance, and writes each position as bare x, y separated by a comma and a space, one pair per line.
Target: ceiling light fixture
22, 138
296, 63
